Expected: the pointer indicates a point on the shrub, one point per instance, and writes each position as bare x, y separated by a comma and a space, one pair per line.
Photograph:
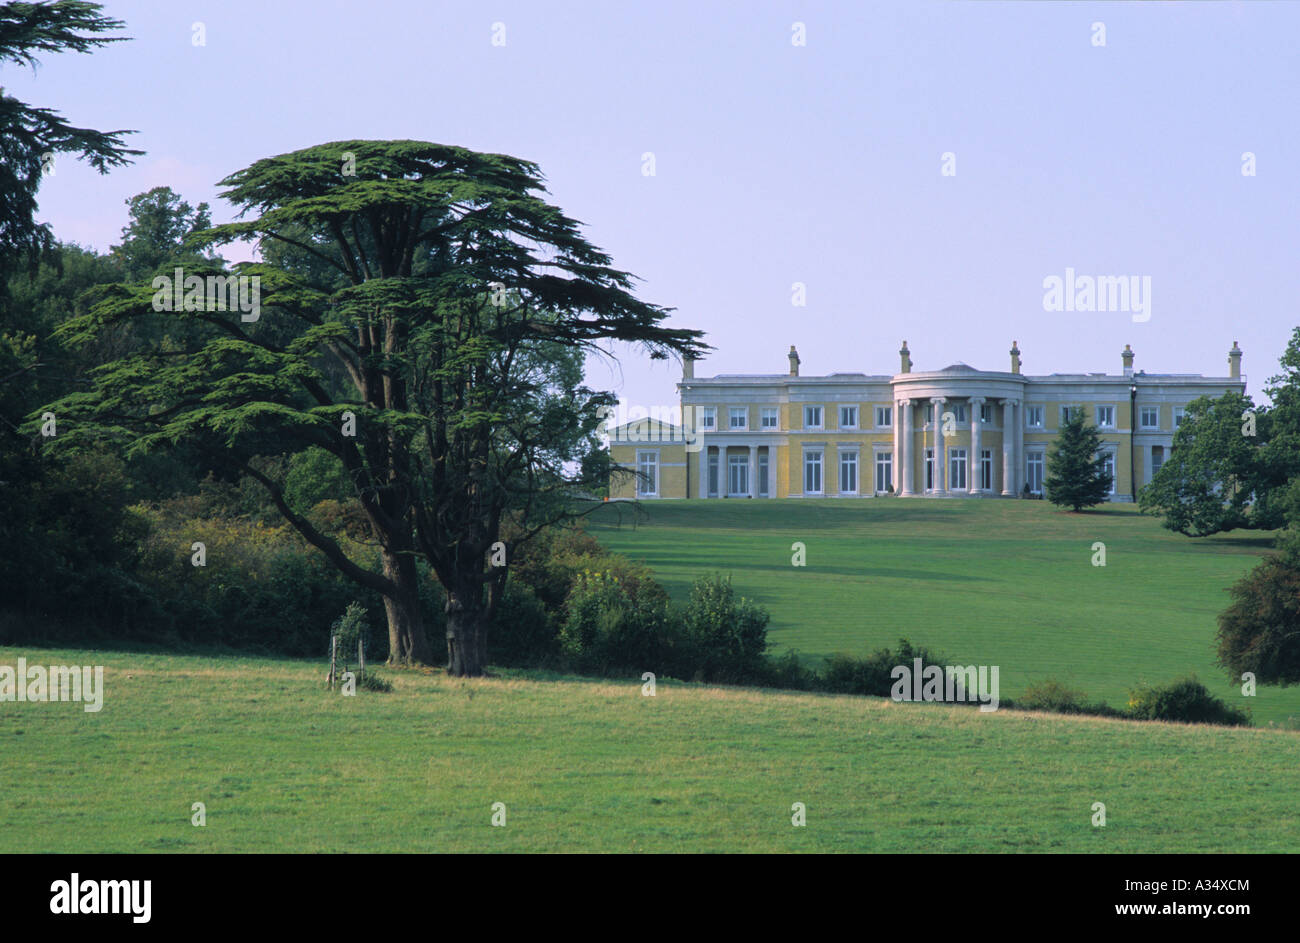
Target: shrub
724, 635
523, 634
1260, 630
610, 628
873, 675
1053, 696
1185, 701
374, 682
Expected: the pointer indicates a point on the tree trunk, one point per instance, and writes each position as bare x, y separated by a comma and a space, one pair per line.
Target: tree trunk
408, 643
465, 637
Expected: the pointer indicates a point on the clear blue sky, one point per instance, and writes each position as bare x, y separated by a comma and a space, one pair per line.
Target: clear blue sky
778, 164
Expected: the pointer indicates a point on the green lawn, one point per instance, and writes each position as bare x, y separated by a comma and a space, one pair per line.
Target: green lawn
284, 765
1007, 583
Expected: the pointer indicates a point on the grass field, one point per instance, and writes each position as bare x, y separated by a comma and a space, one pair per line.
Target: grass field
284, 765
1007, 583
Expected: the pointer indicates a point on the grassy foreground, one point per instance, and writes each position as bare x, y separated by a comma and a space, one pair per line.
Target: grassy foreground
283, 765
1007, 583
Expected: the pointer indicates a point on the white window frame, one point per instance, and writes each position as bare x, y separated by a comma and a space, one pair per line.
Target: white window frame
715, 473
929, 470
1105, 417
647, 458
708, 418
742, 412
986, 464
814, 457
1179, 413
849, 457
958, 457
766, 413
852, 423
1066, 412
959, 413
1142, 416
884, 460
986, 413
1033, 417
1111, 455
884, 417
764, 474
737, 462
1035, 457
808, 422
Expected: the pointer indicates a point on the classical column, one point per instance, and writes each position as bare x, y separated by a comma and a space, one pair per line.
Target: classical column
897, 453
903, 475
973, 464
753, 471
1021, 474
1008, 449
939, 478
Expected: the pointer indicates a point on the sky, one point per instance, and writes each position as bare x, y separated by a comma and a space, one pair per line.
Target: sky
778, 162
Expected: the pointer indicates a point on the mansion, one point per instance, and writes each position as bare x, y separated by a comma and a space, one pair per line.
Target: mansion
853, 435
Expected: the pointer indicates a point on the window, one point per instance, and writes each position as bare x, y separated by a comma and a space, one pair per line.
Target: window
1068, 411
849, 472
848, 417
956, 469
1034, 417
812, 417
929, 469
1179, 412
959, 412
708, 417
884, 417
884, 471
986, 412
738, 474
1034, 471
713, 473
812, 472
1157, 459
739, 417
1106, 417
1150, 417
647, 466
762, 474
768, 418
929, 413
1109, 468
986, 469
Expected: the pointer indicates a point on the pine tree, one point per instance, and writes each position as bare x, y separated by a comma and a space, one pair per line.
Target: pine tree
1076, 471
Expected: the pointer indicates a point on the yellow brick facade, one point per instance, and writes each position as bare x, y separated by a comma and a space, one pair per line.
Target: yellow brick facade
852, 436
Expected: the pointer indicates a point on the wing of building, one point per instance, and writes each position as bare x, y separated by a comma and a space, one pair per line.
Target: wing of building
851, 435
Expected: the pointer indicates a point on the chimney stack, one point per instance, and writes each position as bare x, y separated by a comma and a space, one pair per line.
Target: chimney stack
688, 367
905, 356
1234, 362
794, 361
1015, 357
1128, 360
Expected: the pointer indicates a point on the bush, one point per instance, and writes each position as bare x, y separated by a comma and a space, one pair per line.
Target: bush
725, 636
523, 634
611, 628
1185, 701
788, 672
873, 675
1055, 697
1260, 630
